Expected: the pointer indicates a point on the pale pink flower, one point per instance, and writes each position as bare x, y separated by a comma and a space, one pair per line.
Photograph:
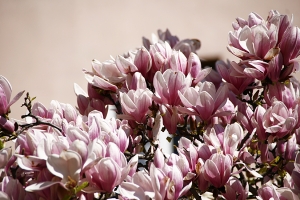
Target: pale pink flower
135, 104
5, 103
171, 118
235, 190
143, 61
269, 191
250, 69
12, 189
5, 155
186, 46
195, 70
168, 185
286, 92
290, 45
126, 64
235, 84
296, 172
105, 75
161, 54
139, 188
233, 135
5, 95
253, 39
167, 86
217, 169
110, 171
203, 101
279, 120
135, 82
66, 166
108, 130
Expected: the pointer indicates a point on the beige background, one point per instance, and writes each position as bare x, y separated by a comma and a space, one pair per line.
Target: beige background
45, 44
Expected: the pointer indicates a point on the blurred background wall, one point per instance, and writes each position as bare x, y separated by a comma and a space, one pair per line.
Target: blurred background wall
44, 45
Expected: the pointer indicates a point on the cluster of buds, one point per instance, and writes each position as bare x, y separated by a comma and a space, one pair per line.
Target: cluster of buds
237, 124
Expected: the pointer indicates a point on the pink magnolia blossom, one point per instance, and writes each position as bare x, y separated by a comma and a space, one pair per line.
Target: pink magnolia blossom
253, 39
168, 185
12, 189
161, 54
87, 104
66, 166
290, 38
279, 120
5, 103
250, 69
235, 84
288, 93
217, 169
167, 86
105, 75
171, 118
5, 95
135, 104
107, 130
135, 82
195, 70
269, 191
186, 46
203, 101
5, 155
296, 172
126, 64
235, 190
110, 171
233, 134
139, 188
143, 61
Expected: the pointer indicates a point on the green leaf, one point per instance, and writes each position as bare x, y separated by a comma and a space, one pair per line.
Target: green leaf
82, 186
1, 144
169, 139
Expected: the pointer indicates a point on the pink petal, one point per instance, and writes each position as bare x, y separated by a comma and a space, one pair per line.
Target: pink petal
67, 164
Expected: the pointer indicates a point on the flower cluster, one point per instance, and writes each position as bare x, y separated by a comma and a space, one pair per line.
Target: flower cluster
237, 124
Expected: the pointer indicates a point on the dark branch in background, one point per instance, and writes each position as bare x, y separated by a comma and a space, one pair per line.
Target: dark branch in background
28, 105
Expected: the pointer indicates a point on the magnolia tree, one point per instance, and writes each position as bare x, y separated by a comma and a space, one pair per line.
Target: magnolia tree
237, 124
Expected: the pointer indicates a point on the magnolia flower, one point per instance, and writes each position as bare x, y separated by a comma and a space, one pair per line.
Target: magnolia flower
296, 172
203, 101
235, 190
250, 69
235, 84
135, 82
217, 169
5, 103
279, 120
11, 189
253, 39
194, 69
285, 92
233, 135
5, 95
167, 86
139, 188
168, 185
186, 46
269, 191
161, 54
5, 155
105, 75
110, 171
135, 104
290, 38
66, 166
